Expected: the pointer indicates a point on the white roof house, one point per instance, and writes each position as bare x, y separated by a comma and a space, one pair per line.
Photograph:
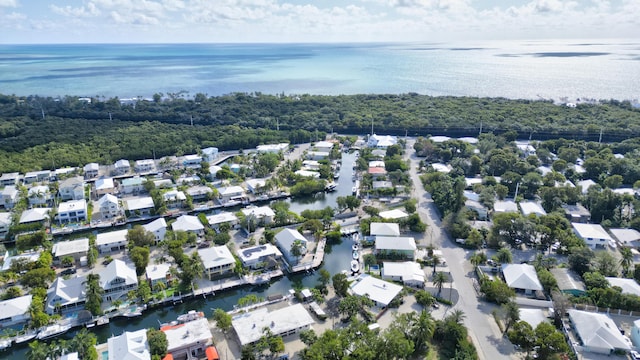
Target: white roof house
409, 272
505, 206
9, 196
69, 294
69, 356
217, 259
586, 184
221, 218
130, 345
35, 214
15, 311
530, 207
381, 141
380, 291
532, 316
144, 165
628, 286
141, 203
70, 248
157, 272
254, 185
183, 339
626, 237
158, 227
39, 195
323, 145
251, 256
439, 138
122, 166
263, 213
443, 168
231, 192
188, 223
286, 238
597, 332
210, 153
308, 173
107, 200
111, 241
593, 235
377, 163
287, 320
28, 256
521, 276
71, 188
384, 229
104, 184
273, 148
381, 184
400, 243
118, 277
393, 214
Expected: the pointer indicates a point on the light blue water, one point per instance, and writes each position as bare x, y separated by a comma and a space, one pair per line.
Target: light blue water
524, 69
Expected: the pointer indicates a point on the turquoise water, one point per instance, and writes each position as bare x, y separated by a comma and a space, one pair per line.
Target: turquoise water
513, 69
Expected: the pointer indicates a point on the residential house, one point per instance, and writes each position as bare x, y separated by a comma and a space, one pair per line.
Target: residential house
381, 141
568, 281
521, 277
111, 241
156, 273
91, 170
191, 161
117, 279
626, 237
158, 228
27, 256
593, 235
400, 247
223, 218
71, 188
121, 167
379, 185
256, 257
533, 317
140, 206
311, 165
263, 215
37, 176
213, 170
377, 172
104, 186
325, 146
272, 148
577, 213
9, 196
66, 295
189, 340
442, 168
307, 174
15, 311
530, 207
479, 209
586, 184
39, 196
109, 206
231, 193
133, 185
597, 332
505, 206
317, 155
34, 215
72, 211
410, 273
10, 179
285, 240
188, 223
628, 286
163, 183
384, 229
209, 154
394, 214
74, 248
174, 199
5, 224
380, 291
376, 163
186, 179
144, 166
217, 261
200, 193
282, 322
379, 153
256, 185
130, 345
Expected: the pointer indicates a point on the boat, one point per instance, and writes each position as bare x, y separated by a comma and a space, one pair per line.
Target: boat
102, 320
354, 247
330, 187
355, 266
355, 255
336, 175
356, 237
134, 311
25, 336
190, 316
5, 344
53, 330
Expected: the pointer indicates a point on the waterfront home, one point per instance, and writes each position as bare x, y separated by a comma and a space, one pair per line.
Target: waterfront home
285, 240
317, 155
230, 193
628, 286
568, 281
27, 256
200, 193
140, 206
35, 215
66, 295
91, 170
111, 241
217, 261
104, 186
311, 165
8, 179
381, 141
189, 340
392, 246
521, 277
530, 207
121, 167
37, 176
132, 185
379, 185
191, 161
109, 206
593, 235
163, 183
308, 174
71, 188
143, 166
223, 218
384, 229
117, 279
256, 257
597, 333
188, 223
130, 345
62, 172
255, 185
39, 196
157, 227
263, 215
209, 154
157, 273
380, 291
9, 196
282, 322
15, 311
577, 213
272, 148
186, 179
76, 249
410, 273
174, 199
5, 223
72, 211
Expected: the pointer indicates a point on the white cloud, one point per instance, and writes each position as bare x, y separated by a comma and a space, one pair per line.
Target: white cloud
8, 3
90, 10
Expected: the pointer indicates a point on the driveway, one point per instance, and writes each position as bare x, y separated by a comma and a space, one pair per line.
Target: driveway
483, 330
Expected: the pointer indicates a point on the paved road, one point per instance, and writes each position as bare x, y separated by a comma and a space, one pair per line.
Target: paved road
485, 333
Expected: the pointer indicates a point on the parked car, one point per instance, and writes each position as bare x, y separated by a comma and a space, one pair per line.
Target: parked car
634, 355
69, 271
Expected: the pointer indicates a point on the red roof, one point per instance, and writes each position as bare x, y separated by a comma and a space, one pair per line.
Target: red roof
377, 170
170, 327
168, 357
212, 353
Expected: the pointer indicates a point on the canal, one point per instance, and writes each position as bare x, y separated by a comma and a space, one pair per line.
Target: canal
337, 258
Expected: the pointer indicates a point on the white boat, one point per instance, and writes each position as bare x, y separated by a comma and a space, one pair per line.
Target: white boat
330, 187
190, 316
355, 266
26, 336
356, 237
53, 330
5, 344
355, 255
354, 247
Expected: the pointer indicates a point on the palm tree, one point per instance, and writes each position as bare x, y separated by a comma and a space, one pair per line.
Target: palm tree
478, 258
422, 330
456, 316
511, 314
626, 260
436, 261
37, 350
504, 256
439, 280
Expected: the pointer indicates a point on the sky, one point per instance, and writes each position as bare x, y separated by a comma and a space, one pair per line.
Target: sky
237, 21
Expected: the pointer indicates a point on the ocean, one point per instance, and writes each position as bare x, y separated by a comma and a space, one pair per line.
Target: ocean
513, 69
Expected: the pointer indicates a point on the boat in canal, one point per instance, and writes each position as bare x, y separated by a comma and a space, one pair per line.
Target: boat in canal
26, 336
354, 247
355, 266
52, 331
190, 316
355, 255
5, 344
330, 187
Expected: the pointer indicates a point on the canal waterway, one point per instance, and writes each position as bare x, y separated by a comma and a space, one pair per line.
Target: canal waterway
337, 258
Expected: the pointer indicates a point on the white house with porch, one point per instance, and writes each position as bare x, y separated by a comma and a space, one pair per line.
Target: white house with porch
521, 277
188, 223
109, 206
72, 211
117, 279
217, 260
66, 295
380, 291
111, 241
285, 240
593, 235
15, 311
71, 188
408, 272
157, 227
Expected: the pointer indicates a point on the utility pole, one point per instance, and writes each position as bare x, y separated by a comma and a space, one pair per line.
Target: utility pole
277, 124
480, 133
42, 110
600, 138
515, 196
372, 126
191, 117
110, 118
